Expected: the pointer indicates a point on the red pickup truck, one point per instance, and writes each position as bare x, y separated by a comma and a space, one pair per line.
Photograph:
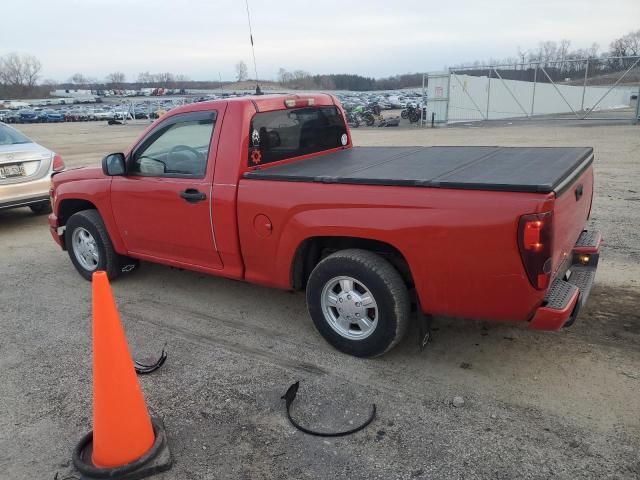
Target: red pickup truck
269, 189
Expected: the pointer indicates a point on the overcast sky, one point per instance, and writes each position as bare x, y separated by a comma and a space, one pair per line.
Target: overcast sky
201, 38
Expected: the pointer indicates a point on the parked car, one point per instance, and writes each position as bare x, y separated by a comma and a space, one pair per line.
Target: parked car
102, 114
50, 116
77, 115
11, 116
457, 231
25, 171
28, 116
4, 114
121, 114
140, 114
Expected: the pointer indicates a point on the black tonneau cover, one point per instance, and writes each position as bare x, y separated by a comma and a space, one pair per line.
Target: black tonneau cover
513, 169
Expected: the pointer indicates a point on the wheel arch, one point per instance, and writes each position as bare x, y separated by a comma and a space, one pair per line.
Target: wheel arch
313, 249
67, 207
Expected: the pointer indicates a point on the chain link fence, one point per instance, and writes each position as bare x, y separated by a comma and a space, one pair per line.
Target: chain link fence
575, 89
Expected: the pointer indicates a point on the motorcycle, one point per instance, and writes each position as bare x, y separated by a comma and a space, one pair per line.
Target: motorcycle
353, 120
412, 112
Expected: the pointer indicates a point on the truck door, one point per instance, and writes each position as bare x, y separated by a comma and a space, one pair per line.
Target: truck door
162, 206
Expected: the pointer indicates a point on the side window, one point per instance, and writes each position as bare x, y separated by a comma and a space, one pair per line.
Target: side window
178, 149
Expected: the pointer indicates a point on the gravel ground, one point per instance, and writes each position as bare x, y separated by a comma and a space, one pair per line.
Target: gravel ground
536, 405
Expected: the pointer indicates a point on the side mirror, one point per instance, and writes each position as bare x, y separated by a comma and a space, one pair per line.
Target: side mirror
114, 165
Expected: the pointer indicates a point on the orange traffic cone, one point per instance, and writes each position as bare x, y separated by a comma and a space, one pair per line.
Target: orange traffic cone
126, 442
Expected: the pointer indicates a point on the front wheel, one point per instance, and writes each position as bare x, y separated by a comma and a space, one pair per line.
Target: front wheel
90, 247
358, 302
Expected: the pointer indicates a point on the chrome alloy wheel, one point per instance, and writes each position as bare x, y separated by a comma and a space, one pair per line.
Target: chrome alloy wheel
349, 308
85, 249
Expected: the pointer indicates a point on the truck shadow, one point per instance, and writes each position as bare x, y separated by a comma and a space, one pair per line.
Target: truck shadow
609, 319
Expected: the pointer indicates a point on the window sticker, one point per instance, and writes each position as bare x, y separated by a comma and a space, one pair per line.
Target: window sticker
255, 138
256, 157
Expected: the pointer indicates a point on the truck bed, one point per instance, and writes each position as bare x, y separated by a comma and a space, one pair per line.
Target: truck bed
513, 169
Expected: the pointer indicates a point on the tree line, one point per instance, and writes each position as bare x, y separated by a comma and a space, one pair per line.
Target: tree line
118, 81
561, 62
299, 79
20, 75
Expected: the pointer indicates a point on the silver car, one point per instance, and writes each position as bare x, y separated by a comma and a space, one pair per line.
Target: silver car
25, 171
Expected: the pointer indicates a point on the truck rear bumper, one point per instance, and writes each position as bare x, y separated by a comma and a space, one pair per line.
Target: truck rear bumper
569, 291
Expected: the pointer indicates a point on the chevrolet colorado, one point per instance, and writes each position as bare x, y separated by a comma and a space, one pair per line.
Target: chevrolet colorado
269, 189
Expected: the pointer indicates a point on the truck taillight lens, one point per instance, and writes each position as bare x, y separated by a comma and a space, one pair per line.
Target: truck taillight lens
299, 102
58, 163
535, 234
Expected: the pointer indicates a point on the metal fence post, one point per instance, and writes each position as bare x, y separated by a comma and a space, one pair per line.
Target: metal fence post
637, 118
488, 95
584, 85
446, 110
533, 93
423, 105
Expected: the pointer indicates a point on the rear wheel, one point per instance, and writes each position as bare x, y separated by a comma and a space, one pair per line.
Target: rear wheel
90, 247
358, 302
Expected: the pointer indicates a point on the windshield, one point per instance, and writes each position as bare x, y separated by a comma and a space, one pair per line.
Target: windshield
9, 136
283, 134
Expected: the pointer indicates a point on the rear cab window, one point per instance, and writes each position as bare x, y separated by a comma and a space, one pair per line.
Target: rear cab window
283, 134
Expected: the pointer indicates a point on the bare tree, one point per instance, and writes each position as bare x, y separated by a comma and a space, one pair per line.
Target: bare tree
19, 72
563, 51
116, 80
165, 79
78, 80
50, 83
548, 52
242, 73
627, 45
181, 80
145, 78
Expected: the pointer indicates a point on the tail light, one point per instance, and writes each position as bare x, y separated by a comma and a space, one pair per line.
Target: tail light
58, 163
535, 234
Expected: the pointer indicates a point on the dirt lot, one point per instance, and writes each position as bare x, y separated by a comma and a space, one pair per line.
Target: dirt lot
537, 405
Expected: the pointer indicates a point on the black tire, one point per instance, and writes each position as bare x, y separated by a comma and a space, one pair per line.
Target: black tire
108, 259
404, 114
383, 282
41, 208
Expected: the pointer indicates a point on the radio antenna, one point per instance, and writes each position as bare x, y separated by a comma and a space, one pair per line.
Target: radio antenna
253, 51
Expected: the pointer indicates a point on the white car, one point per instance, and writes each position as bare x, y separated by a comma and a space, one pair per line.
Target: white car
25, 171
101, 114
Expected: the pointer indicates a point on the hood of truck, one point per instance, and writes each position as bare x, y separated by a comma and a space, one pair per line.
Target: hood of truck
81, 173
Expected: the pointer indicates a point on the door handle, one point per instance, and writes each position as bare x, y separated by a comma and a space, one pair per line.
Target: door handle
192, 195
